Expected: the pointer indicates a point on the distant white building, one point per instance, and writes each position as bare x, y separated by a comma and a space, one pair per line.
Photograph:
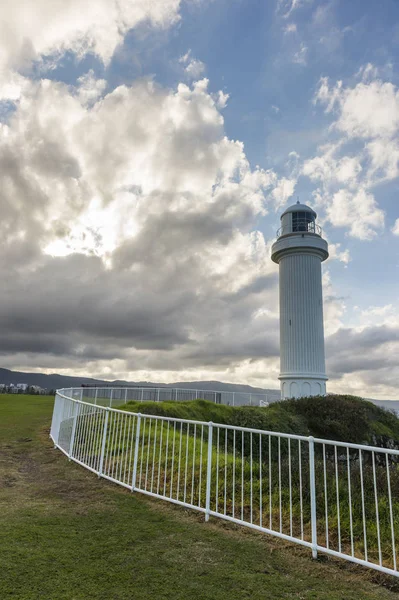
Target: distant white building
37, 389
22, 386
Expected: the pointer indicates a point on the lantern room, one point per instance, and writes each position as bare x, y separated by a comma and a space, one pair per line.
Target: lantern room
299, 218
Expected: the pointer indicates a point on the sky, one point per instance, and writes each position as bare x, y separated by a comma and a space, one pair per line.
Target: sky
147, 150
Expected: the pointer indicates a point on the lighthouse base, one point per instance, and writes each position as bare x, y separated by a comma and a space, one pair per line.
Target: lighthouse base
298, 386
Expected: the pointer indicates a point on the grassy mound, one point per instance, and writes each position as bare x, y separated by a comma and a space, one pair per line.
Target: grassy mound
247, 465
66, 534
335, 417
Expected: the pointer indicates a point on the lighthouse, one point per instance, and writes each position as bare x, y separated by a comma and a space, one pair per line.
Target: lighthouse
299, 251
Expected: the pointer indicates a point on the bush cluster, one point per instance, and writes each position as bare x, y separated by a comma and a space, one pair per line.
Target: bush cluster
334, 417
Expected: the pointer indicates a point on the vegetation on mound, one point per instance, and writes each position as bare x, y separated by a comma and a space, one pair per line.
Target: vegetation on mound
335, 417
65, 534
250, 470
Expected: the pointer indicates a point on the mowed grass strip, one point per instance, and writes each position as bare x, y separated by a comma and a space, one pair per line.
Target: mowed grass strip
65, 534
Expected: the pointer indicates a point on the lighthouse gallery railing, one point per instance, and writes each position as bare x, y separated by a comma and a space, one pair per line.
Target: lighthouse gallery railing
332, 497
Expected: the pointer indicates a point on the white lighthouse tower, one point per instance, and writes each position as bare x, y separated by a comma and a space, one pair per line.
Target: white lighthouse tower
299, 251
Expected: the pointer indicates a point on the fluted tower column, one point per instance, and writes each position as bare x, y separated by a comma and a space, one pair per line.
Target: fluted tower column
299, 251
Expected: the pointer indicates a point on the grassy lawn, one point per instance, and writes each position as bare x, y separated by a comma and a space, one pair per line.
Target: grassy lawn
66, 535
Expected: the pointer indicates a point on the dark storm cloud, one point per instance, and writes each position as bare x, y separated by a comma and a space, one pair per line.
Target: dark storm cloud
37, 344
187, 287
355, 350
77, 296
259, 285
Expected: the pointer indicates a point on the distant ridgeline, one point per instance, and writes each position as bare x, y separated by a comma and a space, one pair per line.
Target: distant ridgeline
54, 381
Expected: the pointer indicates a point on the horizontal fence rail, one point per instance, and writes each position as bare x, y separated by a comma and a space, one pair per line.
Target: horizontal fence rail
115, 396
333, 497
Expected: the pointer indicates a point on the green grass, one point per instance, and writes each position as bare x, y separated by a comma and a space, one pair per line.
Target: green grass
66, 535
335, 417
245, 478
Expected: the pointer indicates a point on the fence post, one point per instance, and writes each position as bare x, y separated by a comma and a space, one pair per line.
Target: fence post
142, 394
126, 396
158, 395
75, 416
313, 514
209, 472
58, 421
100, 467
55, 425
95, 396
55, 416
81, 393
136, 452
234, 395
110, 397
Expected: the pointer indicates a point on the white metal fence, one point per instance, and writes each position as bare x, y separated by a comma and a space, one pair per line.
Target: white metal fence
115, 396
333, 497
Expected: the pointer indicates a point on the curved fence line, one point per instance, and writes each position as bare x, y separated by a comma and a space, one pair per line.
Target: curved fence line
333, 497
115, 396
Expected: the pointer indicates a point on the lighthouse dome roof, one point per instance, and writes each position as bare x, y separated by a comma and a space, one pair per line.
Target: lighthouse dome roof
298, 207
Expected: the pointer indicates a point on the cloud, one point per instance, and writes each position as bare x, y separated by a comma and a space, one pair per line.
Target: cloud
331, 169
127, 222
128, 229
283, 190
290, 28
368, 110
363, 152
337, 254
385, 316
362, 360
334, 306
395, 229
287, 7
193, 67
50, 28
384, 160
367, 72
300, 56
90, 88
344, 195
357, 211
373, 348
222, 99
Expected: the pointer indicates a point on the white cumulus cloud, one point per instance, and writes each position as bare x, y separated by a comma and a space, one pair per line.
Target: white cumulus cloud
193, 67
127, 221
30, 31
367, 110
364, 151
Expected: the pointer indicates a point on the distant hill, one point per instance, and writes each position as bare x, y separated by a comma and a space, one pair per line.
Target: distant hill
50, 382
55, 381
389, 404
